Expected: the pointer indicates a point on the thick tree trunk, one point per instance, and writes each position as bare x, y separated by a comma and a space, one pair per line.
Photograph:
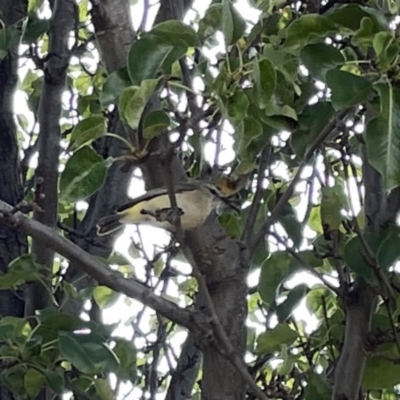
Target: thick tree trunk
12, 243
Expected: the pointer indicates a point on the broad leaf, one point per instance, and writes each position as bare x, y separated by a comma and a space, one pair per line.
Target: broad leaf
114, 85
309, 28
84, 174
285, 309
381, 373
264, 79
273, 271
21, 270
151, 55
33, 382
273, 339
155, 123
355, 257
35, 28
75, 353
86, 131
312, 121
292, 226
320, 58
133, 100
126, 353
347, 89
318, 388
223, 17
175, 32
236, 107
383, 137
55, 380
350, 16
104, 296
333, 202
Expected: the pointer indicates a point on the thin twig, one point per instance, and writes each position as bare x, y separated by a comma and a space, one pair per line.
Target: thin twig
217, 153
392, 325
373, 262
290, 190
304, 263
256, 203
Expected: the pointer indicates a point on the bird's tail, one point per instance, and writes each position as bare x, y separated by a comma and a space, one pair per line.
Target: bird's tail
109, 224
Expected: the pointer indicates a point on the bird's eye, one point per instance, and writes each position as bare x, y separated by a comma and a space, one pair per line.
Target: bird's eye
213, 191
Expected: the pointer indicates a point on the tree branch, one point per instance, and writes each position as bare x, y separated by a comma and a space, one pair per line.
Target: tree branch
55, 73
289, 191
99, 271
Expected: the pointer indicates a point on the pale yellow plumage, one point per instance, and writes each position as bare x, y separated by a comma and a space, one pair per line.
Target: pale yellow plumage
195, 199
196, 207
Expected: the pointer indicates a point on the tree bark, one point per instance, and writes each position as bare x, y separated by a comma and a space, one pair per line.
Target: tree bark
360, 304
50, 107
13, 243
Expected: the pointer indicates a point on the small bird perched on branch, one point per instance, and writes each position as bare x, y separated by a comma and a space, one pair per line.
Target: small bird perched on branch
195, 201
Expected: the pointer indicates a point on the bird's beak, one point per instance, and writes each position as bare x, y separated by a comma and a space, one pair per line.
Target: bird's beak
228, 201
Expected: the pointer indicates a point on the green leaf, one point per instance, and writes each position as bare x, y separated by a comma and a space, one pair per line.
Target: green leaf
314, 221
75, 353
86, 131
347, 89
317, 388
55, 380
85, 172
33, 382
35, 28
151, 55
291, 224
56, 320
382, 43
34, 5
155, 123
211, 21
227, 21
350, 16
380, 373
333, 202
133, 100
114, 85
104, 296
13, 379
9, 37
224, 17
389, 250
314, 301
264, 79
312, 121
285, 309
103, 389
21, 270
236, 107
285, 63
309, 28
251, 130
126, 353
383, 137
354, 256
175, 32
272, 340
273, 271
320, 58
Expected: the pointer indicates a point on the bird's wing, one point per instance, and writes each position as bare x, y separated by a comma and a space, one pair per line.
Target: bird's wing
179, 187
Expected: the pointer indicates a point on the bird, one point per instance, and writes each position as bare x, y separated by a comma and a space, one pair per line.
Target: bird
195, 201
